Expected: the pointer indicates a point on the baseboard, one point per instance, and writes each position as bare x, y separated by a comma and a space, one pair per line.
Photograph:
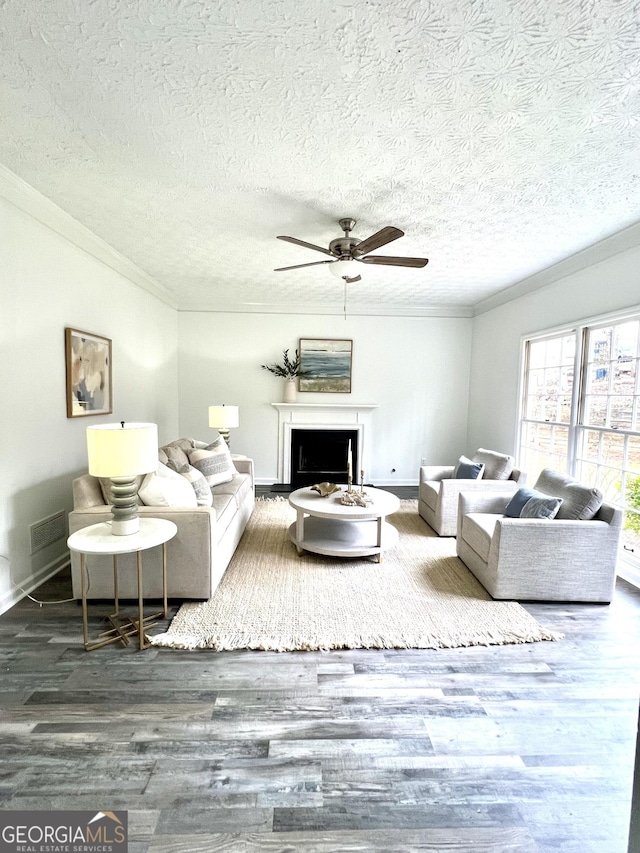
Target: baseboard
266, 481
17, 593
386, 483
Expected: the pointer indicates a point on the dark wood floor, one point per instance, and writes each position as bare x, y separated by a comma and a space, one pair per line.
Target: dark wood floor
505, 748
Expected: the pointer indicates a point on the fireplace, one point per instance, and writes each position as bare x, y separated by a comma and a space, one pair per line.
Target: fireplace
321, 454
354, 418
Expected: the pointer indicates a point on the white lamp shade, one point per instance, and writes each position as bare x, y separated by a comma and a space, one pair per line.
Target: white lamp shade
115, 450
224, 417
341, 268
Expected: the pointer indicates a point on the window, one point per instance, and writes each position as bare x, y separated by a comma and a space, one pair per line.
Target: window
581, 413
548, 392
608, 446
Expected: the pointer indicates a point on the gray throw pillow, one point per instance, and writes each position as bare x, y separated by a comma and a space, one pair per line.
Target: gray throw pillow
527, 503
186, 444
176, 457
468, 470
497, 466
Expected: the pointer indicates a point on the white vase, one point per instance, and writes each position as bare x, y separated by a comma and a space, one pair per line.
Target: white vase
289, 391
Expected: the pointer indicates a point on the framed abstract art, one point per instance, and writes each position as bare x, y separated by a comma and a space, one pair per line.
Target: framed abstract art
88, 361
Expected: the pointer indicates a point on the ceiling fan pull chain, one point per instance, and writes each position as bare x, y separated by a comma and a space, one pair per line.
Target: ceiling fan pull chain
345, 299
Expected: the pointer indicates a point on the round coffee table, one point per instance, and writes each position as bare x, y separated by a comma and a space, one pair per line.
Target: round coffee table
325, 526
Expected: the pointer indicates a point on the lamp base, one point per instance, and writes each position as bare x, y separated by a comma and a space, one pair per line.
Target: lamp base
125, 527
124, 508
225, 433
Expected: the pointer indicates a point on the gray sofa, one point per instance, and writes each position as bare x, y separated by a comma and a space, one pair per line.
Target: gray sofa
570, 557
197, 556
438, 490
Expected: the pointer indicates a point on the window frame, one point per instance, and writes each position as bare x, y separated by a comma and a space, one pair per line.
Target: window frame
577, 428
523, 419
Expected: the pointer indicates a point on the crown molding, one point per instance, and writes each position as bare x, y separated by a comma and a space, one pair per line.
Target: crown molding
453, 311
27, 199
603, 250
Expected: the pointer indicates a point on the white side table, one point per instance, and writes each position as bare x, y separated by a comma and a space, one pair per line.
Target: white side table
98, 539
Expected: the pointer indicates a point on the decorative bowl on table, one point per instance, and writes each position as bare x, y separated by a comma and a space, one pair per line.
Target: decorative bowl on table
325, 489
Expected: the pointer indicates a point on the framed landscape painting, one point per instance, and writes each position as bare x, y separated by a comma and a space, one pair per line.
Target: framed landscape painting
88, 359
326, 365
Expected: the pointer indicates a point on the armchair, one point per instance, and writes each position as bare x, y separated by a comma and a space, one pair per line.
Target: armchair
571, 558
438, 490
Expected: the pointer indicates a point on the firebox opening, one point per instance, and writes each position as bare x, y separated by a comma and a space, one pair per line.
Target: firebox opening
321, 454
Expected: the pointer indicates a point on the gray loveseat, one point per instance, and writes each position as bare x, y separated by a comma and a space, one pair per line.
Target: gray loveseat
569, 557
438, 489
197, 556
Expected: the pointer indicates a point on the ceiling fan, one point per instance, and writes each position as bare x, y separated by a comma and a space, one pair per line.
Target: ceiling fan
346, 251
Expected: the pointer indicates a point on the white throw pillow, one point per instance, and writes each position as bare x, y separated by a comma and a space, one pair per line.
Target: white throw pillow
165, 487
199, 485
214, 462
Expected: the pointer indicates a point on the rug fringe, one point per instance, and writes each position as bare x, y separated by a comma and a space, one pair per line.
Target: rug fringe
290, 644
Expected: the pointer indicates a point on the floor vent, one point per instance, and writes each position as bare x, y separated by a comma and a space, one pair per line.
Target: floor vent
47, 531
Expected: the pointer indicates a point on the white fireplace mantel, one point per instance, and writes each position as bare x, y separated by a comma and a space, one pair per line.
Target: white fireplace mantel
356, 416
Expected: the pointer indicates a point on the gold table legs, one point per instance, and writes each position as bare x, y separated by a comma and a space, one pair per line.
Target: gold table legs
123, 627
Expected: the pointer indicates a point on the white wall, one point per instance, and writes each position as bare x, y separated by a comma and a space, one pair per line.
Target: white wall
601, 288
46, 284
415, 369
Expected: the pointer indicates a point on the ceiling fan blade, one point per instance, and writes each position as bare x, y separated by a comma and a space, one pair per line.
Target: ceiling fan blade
297, 242
380, 238
299, 266
394, 262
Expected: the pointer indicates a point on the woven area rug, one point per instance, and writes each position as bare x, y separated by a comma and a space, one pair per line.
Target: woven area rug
421, 596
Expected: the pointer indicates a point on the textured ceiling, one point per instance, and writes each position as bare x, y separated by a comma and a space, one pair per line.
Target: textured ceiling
501, 137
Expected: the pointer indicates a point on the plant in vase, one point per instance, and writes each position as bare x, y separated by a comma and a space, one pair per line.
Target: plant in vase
288, 370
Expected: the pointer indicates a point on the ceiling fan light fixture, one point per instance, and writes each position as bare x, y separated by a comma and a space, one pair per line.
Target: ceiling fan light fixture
346, 251
344, 267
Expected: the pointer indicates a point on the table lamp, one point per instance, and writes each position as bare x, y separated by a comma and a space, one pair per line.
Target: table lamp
224, 418
120, 452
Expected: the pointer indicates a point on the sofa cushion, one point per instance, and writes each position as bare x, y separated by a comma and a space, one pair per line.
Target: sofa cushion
527, 503
477, 532
226, 510
578, 502
497, 466
215, 462
238, 487
165, 487
429, 491
466, 469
